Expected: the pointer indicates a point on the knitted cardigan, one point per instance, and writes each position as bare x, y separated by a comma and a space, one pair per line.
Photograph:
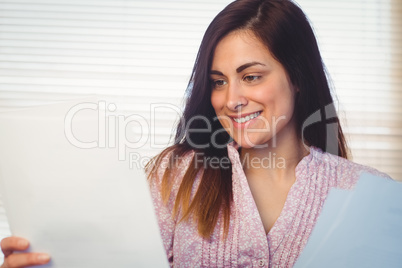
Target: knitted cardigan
247, 245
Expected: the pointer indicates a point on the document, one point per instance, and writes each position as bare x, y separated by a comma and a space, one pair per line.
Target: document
71, 194
358, 228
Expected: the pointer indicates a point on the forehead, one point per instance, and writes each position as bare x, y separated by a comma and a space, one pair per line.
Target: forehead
240, 47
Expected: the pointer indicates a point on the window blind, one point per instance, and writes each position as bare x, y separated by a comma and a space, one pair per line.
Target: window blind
132, 53
361, 43
137, 53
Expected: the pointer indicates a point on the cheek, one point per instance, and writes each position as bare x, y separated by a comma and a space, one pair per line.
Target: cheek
217, 101
267, 92
279, 99
266, 97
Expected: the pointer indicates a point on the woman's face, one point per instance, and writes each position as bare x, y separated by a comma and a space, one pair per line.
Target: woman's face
251, 92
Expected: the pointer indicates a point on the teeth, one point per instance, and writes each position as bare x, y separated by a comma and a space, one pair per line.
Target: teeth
246, 118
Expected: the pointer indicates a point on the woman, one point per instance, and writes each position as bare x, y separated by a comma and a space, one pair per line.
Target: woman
255, 155
259, 76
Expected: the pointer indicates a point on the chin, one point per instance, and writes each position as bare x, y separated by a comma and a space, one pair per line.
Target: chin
251, 143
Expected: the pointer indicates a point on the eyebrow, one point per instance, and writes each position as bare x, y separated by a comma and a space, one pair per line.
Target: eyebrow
247, 65
241, 68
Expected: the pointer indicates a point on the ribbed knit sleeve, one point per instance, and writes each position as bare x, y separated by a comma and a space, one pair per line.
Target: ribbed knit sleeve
163, 210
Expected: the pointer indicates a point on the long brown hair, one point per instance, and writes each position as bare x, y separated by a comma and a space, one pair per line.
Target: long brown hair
286, 32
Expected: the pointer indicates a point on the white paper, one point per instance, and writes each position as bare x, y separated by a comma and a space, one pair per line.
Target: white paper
359, 228
82, 206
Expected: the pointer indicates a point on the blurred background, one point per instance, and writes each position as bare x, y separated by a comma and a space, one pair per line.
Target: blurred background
137, 53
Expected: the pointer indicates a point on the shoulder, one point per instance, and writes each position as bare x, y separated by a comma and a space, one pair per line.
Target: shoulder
342, 172
171, 164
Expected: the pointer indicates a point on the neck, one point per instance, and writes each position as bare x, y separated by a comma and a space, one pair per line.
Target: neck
277, 160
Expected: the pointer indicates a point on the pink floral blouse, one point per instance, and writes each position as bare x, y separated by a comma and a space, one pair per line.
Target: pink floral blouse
247, 245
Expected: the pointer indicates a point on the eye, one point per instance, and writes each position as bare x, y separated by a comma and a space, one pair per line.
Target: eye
251, 78
218, 83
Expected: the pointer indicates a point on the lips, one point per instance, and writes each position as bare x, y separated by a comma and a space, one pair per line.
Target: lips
246, 118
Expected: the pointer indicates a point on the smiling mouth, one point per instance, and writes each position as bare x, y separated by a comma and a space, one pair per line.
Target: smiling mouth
247, 118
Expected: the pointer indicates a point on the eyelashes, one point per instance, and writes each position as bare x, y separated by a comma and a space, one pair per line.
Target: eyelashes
249, 79
218, 83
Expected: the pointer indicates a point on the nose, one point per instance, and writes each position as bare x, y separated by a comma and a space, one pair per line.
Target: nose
235, 99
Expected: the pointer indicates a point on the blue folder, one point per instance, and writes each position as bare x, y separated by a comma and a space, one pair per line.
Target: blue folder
358, 228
